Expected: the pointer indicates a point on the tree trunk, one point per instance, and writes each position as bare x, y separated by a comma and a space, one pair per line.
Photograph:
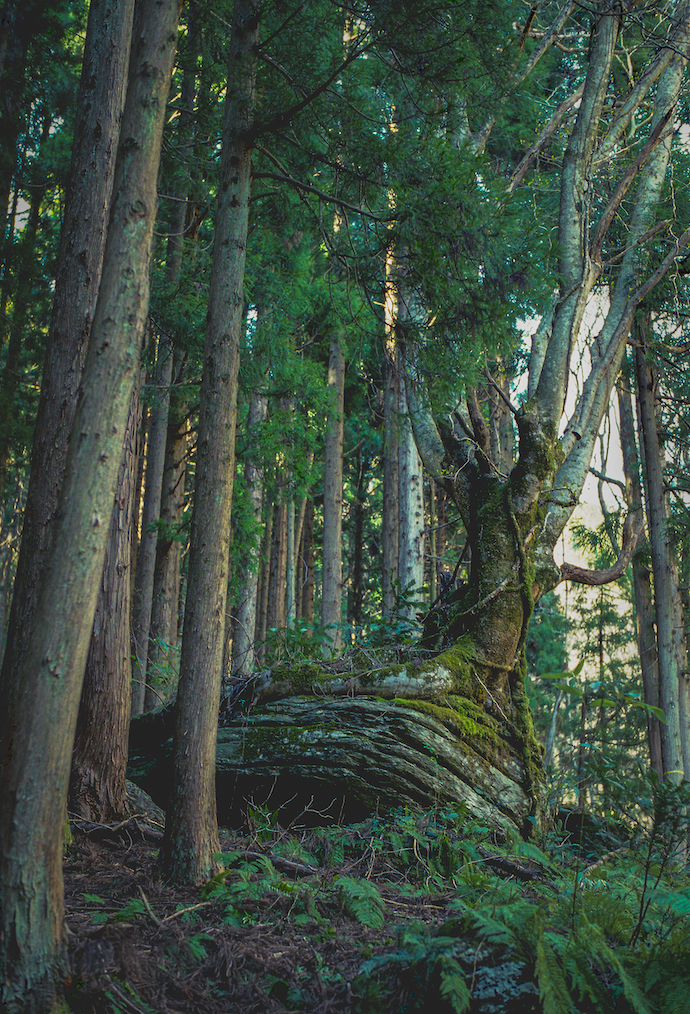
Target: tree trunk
670, 626
243, 654
389, 522
46, 680
356, 596
82, 241
275, 610
262, 595
307, 564
191, 833
410, 513
98, 788
332, 576
642, 588
143, 696
11, 374
166, 579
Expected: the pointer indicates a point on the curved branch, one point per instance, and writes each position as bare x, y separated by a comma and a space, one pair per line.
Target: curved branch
632, 530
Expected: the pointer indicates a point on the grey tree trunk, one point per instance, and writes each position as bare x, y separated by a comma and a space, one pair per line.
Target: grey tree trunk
410, 512
332, 572
642, 588
143, 695
98, 789
389, 522
244, 625
670, 626
47, 679
82, 241
166, 580
191, 832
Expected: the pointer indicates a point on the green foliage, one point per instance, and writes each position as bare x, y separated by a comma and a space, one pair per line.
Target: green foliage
362, 900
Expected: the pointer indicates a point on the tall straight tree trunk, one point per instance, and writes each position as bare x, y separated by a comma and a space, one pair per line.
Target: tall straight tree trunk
166, 579
275, 611
82, 241
332, 577
356, 596
9, 382
642, 588
261, 626
191, 832
46, 680
98, 788
410, 510
389, 522
307, 564
670, 626
143, 697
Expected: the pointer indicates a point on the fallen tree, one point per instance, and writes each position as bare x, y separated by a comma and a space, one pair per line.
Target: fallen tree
343, 739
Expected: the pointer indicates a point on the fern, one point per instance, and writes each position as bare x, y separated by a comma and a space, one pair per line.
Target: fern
453, 985
362, 900
553, 988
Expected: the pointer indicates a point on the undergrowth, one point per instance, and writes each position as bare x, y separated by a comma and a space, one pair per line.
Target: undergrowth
452, 919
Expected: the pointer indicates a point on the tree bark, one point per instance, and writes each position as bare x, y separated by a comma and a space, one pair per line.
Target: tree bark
670, 626
243, 654
332, 564
143, 697
389, 522
166, 580
275, 609
98, 789
410, 513
642, 589
82, 241
47, 680
191, 833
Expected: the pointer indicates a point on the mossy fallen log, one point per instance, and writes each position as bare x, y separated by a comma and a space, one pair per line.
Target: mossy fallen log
323, 758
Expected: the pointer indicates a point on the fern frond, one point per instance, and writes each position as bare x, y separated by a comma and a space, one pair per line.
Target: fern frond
453, 985
362, 901
553, 988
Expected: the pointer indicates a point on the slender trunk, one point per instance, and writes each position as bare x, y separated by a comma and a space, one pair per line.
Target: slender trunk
642, 588
389, 523
97, 783
331, 583
275, 613
290, 562
143, 697
243, 654
410, 512
262, 595
433, 560
23, 284
670, 628
166, 579
191, 833
47, 679
82, 241
356, 597
307, 564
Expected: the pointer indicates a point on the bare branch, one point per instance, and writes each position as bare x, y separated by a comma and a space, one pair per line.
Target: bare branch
632, 530
546, 135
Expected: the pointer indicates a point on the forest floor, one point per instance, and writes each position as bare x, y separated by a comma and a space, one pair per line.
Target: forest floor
410, 912
139, 945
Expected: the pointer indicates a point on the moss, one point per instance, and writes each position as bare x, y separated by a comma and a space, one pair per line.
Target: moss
458, 660
270, 741
304, 674
465, 719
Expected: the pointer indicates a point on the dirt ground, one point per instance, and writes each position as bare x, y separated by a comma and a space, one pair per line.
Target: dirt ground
139, 946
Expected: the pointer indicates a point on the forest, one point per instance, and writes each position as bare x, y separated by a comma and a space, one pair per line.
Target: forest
344, 506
